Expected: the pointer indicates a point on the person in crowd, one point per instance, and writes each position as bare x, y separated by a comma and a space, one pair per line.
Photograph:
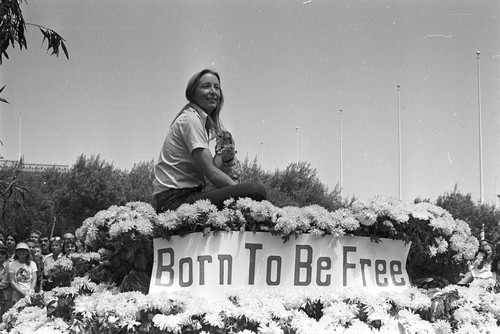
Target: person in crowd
5, 290
185, 160
55, 252
56, 247
68, 236
36, 255
495, 269
35, 235
45, 247
11, 244
2, 239
80, 247
22, 273
480, 268
68, 247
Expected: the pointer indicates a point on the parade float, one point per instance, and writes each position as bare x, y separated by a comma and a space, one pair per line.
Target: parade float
378, 266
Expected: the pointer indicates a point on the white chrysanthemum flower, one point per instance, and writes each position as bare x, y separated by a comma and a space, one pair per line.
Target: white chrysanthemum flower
169, 220
144, 227
91, 235
467, 313
464, 245
442, 245
56, 326
421, 211
213, 320
84, 306
292, 219
219, 219
142, 207
228, 202
270, 328
339, 313
322, 220
469, 329
346, 219
29, 320
188, 213
63, 263
170, 323
442, 327
445, 224
358, 327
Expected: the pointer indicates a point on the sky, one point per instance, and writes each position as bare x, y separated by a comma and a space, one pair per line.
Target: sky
287, 69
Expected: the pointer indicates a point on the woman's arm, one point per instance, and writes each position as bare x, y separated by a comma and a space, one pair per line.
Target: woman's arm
204, 159
5, 282
33, 282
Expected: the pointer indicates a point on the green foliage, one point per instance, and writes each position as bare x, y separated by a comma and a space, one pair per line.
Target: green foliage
56, 202
138, 183
13, 31
461, 206
297, 185
92, 185
12, 27
12, 195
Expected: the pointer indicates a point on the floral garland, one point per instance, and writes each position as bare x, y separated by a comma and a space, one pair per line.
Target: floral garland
376, 218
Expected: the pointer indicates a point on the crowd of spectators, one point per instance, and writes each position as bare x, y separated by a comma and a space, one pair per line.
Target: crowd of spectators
24, 263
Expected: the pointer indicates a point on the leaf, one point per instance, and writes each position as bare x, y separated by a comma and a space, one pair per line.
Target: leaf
65, 50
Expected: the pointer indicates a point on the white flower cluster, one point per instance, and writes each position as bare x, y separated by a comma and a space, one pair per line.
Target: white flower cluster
135, 218
394, 217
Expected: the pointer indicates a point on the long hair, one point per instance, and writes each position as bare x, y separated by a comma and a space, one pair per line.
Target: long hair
28, 257
213, 122
66, 243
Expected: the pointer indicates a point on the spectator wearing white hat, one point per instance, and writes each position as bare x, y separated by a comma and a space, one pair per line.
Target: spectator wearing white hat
22, 273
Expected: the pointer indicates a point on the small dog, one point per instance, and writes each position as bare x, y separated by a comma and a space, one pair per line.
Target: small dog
225, 156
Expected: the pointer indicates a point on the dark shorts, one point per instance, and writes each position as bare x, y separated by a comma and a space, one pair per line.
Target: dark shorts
171, 199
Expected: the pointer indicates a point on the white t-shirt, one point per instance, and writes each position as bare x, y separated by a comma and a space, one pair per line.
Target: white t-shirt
23, 273
176, 167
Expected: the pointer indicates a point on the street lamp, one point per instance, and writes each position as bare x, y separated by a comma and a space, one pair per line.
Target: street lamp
19, 137
480, 138
297, 135
399, 142
341, 159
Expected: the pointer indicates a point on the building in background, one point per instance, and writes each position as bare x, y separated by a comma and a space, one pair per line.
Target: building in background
28, 167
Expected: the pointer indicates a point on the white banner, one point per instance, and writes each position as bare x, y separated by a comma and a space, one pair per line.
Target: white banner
212, 265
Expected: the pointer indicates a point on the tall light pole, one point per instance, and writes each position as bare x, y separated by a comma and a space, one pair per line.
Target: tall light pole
399, 143
341, 160
19, 136
480, 137
297, 136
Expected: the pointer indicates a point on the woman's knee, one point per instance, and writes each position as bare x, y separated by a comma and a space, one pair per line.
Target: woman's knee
258, 191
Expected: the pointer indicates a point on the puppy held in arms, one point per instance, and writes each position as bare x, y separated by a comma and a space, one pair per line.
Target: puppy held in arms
225, 156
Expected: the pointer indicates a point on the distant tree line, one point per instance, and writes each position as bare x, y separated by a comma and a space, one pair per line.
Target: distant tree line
56, 202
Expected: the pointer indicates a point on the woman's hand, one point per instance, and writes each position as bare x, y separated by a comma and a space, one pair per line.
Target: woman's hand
204, 159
